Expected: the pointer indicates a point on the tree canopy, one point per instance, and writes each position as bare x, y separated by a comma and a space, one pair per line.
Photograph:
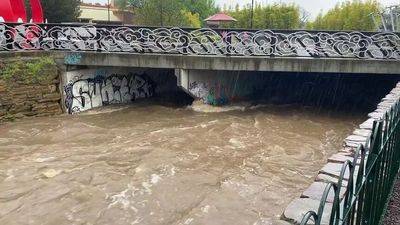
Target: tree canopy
170, 12
349, 15
362, 15
123, 4
266, 16
204, 8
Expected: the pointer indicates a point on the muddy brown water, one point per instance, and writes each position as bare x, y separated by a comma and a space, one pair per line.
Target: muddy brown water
151, 164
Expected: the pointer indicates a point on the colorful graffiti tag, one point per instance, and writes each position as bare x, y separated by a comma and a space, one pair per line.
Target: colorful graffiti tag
210, 94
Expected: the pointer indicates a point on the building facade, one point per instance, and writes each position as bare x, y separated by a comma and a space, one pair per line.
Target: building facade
105, 14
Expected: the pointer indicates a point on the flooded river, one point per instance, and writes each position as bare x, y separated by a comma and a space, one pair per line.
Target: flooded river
151, 164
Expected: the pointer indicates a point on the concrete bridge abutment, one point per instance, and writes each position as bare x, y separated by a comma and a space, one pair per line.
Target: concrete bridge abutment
219, 87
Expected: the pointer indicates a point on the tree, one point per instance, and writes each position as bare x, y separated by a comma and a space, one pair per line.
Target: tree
58, 11
204, 8
28, 9
123, 4
190, 19
160, 13
266, 16
349, 15
169, 12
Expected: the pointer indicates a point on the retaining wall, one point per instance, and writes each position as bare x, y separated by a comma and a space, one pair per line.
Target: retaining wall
27, 92
311, 197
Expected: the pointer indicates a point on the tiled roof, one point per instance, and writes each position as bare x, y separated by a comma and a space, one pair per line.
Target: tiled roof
220, 17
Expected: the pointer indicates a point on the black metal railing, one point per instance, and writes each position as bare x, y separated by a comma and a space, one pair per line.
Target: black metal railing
370, 178
204, 41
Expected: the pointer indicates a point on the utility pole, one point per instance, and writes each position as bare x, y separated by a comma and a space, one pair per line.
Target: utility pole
374, 19
252, 14
161, 13
383, 22
397, 20
392, 18
108, 10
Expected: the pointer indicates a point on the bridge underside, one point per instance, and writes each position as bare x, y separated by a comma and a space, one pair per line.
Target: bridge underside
86, 87
92, 79
219, 80
235, 63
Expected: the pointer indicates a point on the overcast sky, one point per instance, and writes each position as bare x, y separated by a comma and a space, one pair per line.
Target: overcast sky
312, 6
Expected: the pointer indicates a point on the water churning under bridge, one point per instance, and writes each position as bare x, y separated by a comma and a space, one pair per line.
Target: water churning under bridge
151, 164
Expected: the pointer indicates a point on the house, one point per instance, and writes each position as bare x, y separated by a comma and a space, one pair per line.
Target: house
105, 14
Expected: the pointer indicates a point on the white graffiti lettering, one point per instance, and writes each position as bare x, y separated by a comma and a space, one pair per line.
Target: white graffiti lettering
84, 94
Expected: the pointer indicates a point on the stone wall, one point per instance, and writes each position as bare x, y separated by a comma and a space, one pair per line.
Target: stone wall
311, 197
28, 87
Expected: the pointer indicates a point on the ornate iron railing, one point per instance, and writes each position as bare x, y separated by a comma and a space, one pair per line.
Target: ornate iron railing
370, 178
205, 41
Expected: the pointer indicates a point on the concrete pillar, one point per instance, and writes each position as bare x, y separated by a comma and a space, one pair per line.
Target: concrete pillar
182, 76
218, 87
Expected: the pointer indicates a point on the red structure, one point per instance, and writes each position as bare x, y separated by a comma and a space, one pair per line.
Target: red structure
215, 20
37, 12
14, 11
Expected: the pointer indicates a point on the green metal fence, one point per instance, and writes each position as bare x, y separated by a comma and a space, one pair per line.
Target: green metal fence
370, 178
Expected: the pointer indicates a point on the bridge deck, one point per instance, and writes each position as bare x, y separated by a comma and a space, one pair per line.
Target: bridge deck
284, 64
205, 41
166, 61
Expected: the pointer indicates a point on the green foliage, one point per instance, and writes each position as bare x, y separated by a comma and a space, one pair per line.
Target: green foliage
31, 72
170, 12
28, 9
349, 15
204, 8
10, 70
34, 70
123, 4
190, 19
59, 11
266, 16
160, 13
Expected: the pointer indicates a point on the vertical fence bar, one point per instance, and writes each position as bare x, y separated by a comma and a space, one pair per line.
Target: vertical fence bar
366, 198
379, 182
360, 187
371, 176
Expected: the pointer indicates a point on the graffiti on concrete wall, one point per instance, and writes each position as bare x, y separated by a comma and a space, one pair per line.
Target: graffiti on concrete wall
85, 93
218, 95
72, 58
199, 90
210, 94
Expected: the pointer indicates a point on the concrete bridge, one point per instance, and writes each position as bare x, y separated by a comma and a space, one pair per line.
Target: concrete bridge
205, 41
206, 62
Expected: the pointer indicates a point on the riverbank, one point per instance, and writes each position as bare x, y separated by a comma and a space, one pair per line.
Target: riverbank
393, 212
